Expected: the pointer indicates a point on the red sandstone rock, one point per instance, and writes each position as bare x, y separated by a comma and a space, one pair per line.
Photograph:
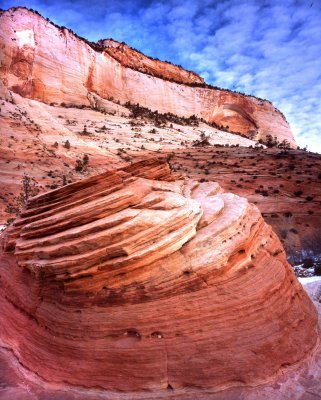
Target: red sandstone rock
285, 187
133, 281
136, 60
29, 130
29, 67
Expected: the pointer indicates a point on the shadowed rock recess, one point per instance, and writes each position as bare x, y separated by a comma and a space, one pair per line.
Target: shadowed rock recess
137, 280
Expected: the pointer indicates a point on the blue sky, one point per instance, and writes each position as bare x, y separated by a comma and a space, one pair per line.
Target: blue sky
271, 49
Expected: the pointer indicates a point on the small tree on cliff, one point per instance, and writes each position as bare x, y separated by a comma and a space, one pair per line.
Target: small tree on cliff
270, 141
29, 188
284, 146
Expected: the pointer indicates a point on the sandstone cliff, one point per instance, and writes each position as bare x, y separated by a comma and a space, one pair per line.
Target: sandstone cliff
51, 64
135, 280
136, 60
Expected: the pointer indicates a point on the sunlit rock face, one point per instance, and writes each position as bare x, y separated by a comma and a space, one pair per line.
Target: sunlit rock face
133, 280
131, 58
54, 66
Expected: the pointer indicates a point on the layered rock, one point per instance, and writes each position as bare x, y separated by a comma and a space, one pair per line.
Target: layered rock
133, 280
286, 187
76, 69
33, 137
136, 60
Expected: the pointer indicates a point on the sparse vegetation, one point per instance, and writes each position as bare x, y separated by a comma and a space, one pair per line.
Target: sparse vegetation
85, 132
29, 188
82, 165
159, 119
202, 141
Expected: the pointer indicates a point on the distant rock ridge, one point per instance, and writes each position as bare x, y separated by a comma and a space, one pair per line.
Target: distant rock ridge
137, 280
136, 60
30, 67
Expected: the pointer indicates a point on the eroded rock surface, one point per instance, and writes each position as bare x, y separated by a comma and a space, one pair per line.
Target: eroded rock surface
136, 60
136, 280
33, 141
286, 187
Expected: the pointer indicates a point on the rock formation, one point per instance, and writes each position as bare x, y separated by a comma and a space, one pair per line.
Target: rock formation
137, 280
286, 187
34, 134
137, 61
44, 62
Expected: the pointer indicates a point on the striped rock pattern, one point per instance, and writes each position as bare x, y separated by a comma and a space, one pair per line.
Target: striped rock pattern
133, 280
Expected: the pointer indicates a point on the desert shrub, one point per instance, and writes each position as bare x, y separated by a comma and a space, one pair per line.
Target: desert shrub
284, 146
82, 165
202, 141
137, 111
170, 156
29, 188
85, 132
270, 141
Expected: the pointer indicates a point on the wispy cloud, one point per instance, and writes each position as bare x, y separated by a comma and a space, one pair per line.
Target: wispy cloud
270, 49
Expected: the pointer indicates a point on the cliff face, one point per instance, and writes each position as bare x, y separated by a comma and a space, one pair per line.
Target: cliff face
135, 60
43, 62
135, 281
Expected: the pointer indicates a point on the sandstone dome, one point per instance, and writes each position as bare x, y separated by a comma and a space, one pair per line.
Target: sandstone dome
138, 280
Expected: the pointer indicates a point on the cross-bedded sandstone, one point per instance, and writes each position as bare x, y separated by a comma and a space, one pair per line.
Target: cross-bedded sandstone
137, 280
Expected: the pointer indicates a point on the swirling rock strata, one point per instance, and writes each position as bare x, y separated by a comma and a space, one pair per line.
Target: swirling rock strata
77, 69
134, 280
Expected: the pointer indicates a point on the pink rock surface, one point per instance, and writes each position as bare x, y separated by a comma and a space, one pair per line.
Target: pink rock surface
136, 60
136, 281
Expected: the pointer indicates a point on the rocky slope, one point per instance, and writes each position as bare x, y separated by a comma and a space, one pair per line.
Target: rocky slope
34, 135
44, 62
285, 186
105, 283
